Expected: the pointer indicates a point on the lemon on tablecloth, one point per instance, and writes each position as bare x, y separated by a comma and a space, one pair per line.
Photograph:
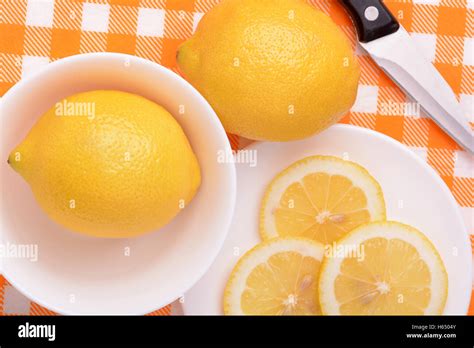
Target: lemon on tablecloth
274, 70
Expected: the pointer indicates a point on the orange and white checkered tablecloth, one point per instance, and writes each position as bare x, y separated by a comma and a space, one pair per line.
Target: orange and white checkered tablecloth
36, 32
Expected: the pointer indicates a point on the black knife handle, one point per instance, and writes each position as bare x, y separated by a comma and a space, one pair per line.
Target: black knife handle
372, 18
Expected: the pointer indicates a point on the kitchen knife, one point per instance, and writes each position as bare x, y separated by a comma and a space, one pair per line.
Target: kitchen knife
392, 48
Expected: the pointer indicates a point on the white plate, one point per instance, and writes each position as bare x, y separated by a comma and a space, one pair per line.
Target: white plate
76, 274
414, 194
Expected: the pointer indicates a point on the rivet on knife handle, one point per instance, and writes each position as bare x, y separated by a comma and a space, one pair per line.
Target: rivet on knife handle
373, 20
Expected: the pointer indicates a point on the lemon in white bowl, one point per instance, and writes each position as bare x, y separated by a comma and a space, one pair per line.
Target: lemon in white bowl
113, 276
120, 170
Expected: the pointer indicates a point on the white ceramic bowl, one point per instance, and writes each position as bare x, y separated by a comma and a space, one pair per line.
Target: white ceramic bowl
76, 274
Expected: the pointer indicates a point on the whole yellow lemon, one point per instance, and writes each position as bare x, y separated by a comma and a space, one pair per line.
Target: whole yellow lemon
272, 70
108, 164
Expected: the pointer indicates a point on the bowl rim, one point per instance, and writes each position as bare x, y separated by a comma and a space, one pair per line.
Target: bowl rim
214, 122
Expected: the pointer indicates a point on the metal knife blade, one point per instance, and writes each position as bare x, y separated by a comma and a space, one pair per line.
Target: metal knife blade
401, 59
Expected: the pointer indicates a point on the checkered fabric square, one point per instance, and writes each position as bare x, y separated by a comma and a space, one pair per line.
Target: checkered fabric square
36, 32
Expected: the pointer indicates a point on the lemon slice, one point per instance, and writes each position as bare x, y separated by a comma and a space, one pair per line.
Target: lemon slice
320, 198
277, 277
383, 268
